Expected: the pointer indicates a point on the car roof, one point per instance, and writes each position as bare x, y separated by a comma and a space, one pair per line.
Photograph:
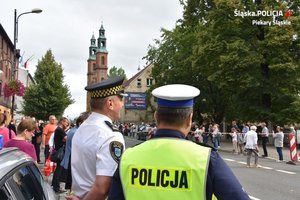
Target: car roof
10, 158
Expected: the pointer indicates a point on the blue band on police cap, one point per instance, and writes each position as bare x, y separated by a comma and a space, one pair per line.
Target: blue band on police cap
175, 104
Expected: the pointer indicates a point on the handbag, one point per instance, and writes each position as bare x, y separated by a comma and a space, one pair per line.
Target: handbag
49, 167
57, 155
39, 139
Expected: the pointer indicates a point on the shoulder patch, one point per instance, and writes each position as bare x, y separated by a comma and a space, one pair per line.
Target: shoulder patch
112, 127
116, 150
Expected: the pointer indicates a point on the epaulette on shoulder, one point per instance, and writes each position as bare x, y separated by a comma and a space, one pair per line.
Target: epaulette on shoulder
206, 145
114, 129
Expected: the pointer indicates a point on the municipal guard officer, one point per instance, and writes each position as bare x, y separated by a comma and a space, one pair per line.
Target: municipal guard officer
97, 146
170, 167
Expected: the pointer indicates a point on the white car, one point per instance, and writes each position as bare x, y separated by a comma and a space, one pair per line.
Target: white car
20, 178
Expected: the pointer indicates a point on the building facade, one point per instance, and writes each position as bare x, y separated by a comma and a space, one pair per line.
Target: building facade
6, 66
97, 61
137, 107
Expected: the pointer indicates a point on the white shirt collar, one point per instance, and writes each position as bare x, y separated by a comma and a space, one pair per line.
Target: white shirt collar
99, 115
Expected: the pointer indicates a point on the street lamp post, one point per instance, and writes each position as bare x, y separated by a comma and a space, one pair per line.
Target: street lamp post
14, 69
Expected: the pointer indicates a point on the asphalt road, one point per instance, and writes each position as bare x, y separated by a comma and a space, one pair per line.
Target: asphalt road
272, 181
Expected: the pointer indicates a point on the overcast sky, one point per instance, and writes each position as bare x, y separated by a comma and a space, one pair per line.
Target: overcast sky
66, 27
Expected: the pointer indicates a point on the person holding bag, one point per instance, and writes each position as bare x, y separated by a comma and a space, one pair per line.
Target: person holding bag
60, 138
57, 155
48, 131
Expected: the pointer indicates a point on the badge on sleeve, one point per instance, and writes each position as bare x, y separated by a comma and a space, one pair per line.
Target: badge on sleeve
116, 150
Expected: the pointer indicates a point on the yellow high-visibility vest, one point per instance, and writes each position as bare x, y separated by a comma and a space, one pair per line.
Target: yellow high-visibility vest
165, 168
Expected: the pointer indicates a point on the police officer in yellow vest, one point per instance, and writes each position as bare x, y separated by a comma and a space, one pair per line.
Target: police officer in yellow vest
170, 167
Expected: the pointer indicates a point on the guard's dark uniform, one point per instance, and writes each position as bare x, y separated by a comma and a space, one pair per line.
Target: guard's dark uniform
220, 180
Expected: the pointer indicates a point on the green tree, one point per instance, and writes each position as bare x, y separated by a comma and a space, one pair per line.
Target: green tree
172, 57
114, 71
50, 95
256, 66
244, 71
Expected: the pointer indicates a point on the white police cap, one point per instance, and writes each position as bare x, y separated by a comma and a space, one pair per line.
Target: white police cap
176, 95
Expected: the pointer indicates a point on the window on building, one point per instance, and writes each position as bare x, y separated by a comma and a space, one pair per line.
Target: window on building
139, 82
149, 82
94, 66
102, 60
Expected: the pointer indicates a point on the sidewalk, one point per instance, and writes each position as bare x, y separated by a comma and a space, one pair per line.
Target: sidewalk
226, 146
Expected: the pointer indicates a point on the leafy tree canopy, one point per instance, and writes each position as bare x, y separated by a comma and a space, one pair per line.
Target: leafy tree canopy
114, 71
245, 71
50, 95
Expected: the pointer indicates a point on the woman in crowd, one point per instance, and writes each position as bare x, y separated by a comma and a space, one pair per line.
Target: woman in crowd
4, 131
240, 142
25, 131
37, 140
198, 133
216, 136
233, 135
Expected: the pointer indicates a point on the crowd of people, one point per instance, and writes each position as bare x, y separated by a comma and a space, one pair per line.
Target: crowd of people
95, 164
244, 138
31, 136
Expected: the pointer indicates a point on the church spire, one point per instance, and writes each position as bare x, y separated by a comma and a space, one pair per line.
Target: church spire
93, 48
102, 40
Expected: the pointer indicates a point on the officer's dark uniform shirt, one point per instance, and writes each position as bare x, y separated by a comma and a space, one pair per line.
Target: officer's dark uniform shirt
220, 179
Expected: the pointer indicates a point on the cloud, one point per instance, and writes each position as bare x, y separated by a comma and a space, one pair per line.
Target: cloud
66, 27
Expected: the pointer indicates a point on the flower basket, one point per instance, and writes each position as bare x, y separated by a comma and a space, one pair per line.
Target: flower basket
14, 87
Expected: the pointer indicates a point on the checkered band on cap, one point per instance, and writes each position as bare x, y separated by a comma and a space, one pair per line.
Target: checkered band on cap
106, 92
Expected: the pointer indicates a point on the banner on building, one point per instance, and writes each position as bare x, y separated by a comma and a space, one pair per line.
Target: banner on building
135, 100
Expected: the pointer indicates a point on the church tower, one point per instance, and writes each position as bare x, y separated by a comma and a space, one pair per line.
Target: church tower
101, 56
97, 61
